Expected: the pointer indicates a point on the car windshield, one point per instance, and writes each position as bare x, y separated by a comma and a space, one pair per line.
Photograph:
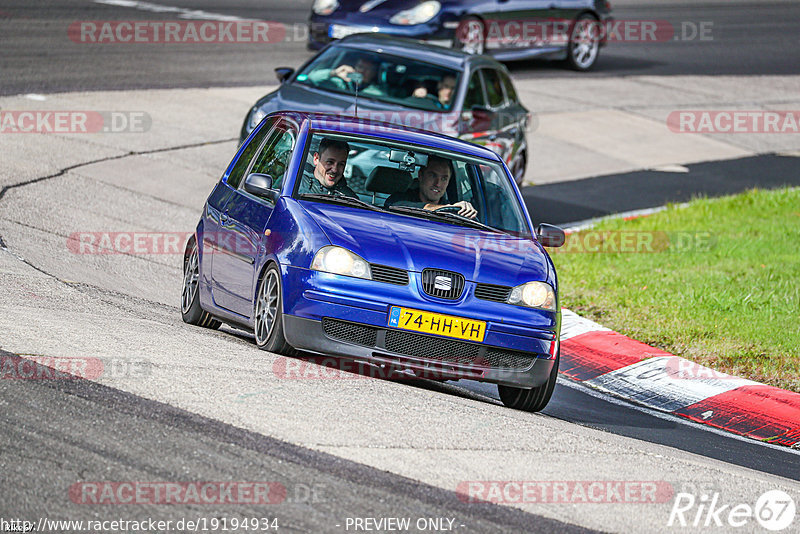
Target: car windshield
386, 78
409, 180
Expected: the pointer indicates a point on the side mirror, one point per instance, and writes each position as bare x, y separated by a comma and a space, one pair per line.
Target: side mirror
550, 236
283, 73
260, 185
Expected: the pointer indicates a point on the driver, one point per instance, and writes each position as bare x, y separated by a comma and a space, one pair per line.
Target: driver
433, 181
328, 176
340, 76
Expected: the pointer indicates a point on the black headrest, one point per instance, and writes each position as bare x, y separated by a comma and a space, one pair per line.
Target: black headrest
388, 180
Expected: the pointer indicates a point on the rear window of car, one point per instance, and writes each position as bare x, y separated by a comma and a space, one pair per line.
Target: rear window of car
386, 78
494, 89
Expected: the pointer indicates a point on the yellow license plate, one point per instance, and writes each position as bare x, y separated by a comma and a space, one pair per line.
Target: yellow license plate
436, 323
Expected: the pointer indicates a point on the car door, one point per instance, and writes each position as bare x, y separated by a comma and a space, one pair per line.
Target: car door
215, 206
501, 138
243, 223
515, 123
481, 115
520, 22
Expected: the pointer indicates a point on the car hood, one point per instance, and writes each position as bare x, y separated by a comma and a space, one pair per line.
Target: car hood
297, 97
415, 244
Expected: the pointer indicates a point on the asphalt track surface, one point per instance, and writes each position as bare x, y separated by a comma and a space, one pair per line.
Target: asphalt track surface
747, 38
94, 432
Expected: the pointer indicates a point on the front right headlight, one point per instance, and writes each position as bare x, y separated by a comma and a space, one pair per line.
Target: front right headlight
417, 15
339, 260
325, 7
534, 295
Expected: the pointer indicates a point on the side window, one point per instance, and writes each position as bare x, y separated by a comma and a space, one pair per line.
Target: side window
494, 89
474, 96
237, 173
274, 157
511, 93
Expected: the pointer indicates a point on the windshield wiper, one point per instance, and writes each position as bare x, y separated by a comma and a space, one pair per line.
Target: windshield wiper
430, 214
339, 198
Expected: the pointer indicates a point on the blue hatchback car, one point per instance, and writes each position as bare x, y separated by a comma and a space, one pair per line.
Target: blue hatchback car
427, 263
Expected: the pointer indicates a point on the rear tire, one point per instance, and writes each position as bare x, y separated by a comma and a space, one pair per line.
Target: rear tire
530, 400
268, 314
191, 311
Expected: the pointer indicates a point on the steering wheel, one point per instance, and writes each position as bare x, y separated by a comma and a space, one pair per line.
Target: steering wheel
449, 209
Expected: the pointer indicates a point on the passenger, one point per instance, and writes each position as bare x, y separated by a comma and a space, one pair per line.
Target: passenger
444, 91
328, 176
433, 181
340, 76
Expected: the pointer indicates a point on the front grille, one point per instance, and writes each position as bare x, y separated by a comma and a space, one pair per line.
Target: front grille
357, 334
427, 347
490, 292
450, 284
389, 275
432, 348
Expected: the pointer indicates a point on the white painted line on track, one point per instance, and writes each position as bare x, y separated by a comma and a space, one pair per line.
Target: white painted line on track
583, 387
183, 13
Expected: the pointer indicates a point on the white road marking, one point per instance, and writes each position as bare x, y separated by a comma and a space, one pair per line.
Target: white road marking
573, 325
183, 13
37, 97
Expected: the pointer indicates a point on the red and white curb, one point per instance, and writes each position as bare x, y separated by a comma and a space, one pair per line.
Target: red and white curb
616, 364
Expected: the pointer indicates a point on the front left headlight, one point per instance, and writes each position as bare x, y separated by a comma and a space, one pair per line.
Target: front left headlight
324, 7
534, 295
338, 260
417, 15
256, 116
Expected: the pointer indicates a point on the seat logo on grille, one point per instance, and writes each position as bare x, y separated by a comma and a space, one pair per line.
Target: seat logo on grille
445, 283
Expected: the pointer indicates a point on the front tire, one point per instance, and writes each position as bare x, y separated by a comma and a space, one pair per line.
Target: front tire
530, 400
584, 43
268, 314
191, 311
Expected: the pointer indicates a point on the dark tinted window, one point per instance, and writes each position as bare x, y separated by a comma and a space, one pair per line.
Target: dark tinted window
274, 157
237, 173
474, 95
511, 93
494, 89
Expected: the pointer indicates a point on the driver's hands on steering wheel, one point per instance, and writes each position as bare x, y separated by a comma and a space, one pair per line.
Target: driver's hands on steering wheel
465, 209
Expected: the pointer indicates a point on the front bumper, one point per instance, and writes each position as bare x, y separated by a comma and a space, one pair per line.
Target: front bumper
323, 317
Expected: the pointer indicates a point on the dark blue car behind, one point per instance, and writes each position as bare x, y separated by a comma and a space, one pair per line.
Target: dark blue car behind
569, 30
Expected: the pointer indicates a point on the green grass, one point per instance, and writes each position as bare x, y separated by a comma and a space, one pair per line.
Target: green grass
731, 302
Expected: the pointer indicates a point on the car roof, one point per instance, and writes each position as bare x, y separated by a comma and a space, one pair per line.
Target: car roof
385, 130
400, 46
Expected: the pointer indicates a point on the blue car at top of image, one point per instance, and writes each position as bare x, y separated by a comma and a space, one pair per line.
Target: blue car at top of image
570, 30
428, 264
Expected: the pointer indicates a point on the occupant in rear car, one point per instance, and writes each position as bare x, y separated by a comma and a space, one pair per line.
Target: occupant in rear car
328, 176
444, 91
340, 76
431, 187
